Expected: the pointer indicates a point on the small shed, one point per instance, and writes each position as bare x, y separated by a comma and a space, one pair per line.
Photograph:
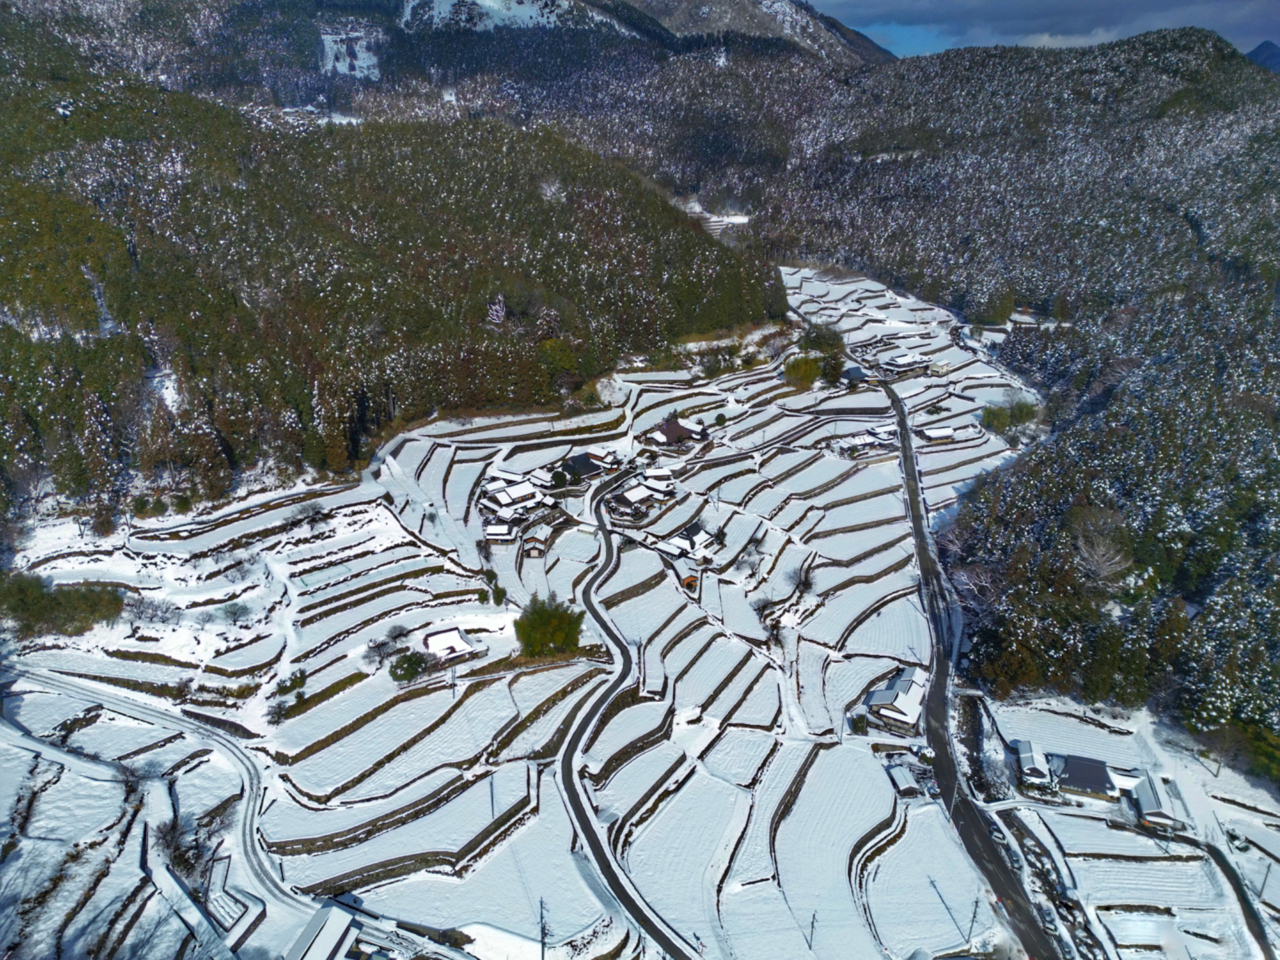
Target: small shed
499, 533
1033, 768
903, 781
536, 541
329, 934
939, 368
1152, 803
688, 575
447, 644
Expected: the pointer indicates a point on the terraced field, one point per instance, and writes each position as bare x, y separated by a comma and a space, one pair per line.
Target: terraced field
726, 776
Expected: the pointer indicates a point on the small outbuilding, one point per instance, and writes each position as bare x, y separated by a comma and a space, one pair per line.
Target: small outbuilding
903, 782
1033, 768
448, 644
1151, 801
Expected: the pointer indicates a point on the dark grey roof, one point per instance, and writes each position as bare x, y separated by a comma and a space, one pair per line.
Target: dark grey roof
1085, 775
583, 465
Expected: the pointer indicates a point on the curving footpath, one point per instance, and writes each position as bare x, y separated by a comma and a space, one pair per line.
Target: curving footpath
283, 899
645, 917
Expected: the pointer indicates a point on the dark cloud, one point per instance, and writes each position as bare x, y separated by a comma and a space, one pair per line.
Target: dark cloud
938, 24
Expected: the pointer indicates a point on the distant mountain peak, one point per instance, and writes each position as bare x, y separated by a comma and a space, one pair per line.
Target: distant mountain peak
1266, 54
794, 20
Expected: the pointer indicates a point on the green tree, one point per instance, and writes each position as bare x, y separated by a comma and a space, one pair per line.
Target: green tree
408, 666
548, 627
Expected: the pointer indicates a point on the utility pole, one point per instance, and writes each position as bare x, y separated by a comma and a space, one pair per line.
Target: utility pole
972, 920
542, 925
1265, 877
492, 804
813, 921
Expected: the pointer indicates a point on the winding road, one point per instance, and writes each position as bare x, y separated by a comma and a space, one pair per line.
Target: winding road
580, 810
970, 822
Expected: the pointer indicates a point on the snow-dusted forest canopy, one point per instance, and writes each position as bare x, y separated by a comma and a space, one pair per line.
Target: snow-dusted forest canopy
181, 285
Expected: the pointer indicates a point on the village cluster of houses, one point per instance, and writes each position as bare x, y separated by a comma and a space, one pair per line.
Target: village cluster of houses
1085, 776
870, 368
655, 485
509, 500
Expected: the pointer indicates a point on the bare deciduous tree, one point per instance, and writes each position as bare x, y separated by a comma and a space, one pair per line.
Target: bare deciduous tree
1097, 541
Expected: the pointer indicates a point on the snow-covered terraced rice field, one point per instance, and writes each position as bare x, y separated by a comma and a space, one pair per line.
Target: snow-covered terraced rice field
440, 801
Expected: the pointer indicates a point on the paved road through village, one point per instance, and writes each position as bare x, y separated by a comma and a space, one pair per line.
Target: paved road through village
970, 822
583, 815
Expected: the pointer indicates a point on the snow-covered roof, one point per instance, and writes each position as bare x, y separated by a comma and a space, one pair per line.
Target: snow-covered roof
324, 936
1152, 801
539, 534
902, 780
637, 495
446, 643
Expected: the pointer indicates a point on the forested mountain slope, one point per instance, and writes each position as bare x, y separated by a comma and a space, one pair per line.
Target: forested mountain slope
1130, 190
182, 286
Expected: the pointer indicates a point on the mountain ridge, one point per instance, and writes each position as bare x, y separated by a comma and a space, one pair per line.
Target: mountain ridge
1266, 54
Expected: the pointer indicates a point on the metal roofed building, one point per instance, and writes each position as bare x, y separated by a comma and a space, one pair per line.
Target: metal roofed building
1032, 765
328, 935
898, 705
1151, 801
1083, 775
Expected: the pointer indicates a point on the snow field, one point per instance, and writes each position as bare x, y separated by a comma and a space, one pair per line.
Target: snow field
753, 860
626, 787
1091, 835
847, 681
882, 509
845, 796
733, 697
898, 630
698, 682
930, 908
760, 708
678, 856
836, 618
629, 725
879, 559
811, 663
738, 755
503, 891
445, 829
1054, 732
633, 568
462, 735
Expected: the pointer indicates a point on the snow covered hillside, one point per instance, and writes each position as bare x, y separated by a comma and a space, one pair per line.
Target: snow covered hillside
764, 577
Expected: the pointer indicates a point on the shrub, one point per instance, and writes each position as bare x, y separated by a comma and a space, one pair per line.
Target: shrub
499, 596
36, 608
483, 596
720, 420
295, 681
558, 479
802, 371
548, 627
996, 419
408, 666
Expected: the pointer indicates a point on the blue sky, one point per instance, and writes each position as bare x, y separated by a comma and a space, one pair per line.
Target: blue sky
912, 27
